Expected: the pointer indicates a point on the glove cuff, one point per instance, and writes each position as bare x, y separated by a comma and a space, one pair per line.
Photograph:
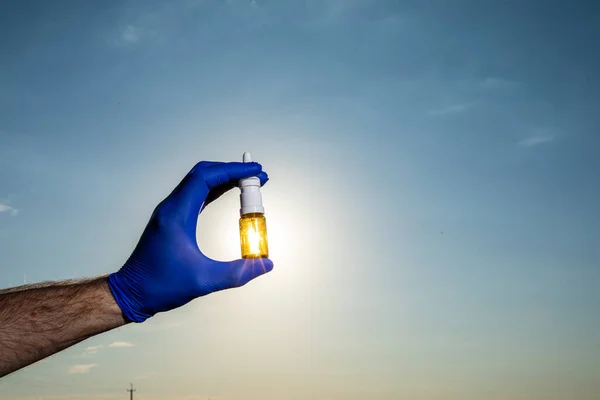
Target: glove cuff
122, 294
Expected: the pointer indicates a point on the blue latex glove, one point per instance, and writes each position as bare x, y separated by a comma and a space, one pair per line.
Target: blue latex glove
167, 269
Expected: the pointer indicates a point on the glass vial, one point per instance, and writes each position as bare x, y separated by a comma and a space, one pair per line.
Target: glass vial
253, 235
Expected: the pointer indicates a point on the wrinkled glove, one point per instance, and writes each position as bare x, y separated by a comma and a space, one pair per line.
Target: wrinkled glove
167, 269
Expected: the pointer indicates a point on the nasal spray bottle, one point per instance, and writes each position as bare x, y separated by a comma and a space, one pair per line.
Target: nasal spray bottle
253, 224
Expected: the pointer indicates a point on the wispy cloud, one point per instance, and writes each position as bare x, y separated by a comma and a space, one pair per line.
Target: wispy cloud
147, 27
121, 344
91, 350
537, 140
128, 36
6, 208
81, 368
451, 109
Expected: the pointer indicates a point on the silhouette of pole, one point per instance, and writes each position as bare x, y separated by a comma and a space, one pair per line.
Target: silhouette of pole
131, 390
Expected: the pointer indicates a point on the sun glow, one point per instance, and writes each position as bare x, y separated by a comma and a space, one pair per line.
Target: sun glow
253, 241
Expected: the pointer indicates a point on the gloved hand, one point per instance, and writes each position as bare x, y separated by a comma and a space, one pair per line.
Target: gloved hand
167, 269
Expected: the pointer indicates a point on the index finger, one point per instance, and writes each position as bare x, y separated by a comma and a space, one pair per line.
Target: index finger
220, 174
206, 176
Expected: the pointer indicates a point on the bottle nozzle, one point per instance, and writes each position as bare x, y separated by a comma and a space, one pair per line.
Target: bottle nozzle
250, 197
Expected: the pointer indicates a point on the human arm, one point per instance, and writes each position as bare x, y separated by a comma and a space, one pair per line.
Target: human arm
165, 271
39, 320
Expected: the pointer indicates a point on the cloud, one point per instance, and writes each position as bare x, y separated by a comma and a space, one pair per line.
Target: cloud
130, 35
451, 109
5, 208
91, 350
536, 140
81, 368
121, 344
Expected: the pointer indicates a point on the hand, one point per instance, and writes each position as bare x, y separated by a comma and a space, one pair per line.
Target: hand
167, 269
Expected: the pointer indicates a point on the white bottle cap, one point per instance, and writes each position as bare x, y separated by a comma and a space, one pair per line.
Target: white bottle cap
250, 197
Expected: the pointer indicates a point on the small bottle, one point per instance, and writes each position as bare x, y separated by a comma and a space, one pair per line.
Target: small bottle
253, 224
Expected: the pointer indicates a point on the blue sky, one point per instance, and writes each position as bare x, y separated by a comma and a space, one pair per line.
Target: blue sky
432, 208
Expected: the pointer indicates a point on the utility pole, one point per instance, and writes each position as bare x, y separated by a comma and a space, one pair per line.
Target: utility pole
131, 390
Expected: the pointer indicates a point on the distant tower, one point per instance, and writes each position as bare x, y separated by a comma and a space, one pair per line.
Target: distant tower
131, 390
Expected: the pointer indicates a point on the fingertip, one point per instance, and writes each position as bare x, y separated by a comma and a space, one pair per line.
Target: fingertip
264, 177
256, 165
266, 263
248, 269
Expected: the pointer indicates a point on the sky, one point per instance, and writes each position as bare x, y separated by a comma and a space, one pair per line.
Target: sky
432, 205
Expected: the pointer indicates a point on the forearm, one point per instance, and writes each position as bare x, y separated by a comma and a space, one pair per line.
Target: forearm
38, 321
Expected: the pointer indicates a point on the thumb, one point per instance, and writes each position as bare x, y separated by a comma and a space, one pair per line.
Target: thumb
242, 271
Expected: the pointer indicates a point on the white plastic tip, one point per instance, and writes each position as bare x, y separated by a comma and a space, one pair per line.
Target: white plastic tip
247, 157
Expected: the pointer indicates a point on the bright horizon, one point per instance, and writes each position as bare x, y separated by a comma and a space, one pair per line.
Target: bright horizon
432, 207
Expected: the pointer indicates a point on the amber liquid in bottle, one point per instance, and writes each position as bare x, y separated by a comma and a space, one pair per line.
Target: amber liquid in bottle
253, 235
